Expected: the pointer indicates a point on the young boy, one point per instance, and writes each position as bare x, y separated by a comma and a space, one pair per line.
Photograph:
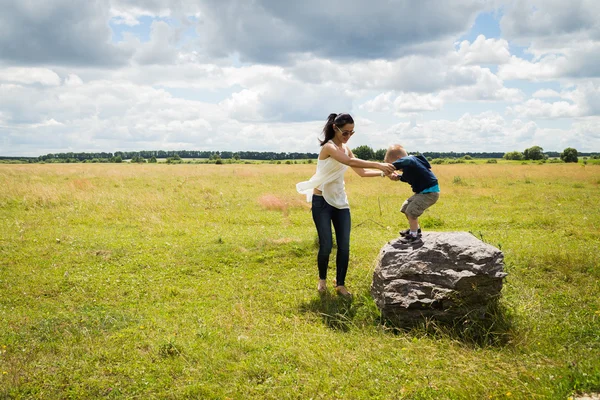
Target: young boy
416, 171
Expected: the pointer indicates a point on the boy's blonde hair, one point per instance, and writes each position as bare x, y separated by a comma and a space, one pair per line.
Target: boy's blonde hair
394, 152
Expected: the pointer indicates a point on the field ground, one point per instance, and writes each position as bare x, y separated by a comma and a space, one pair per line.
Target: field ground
199, 281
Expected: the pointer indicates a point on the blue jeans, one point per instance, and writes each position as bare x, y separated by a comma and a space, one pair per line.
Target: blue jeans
323, 216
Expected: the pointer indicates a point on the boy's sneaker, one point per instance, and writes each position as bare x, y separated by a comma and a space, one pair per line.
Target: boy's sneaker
411, 239
406, 232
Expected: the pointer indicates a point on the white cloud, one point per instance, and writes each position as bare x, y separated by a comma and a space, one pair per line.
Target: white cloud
116, 115
487, 131
29, 76
49, 122
121, 17
122, 13
129, 11
562, 37
109, 114
403, 103
528, 20
162, 47
587, 96
535, 108
584, 131
542, 93
522, 133
484, 51
543, 70
244, 106
486, 86
580, 60
381, 103
73, 80
582, 101
412, 102
283, 98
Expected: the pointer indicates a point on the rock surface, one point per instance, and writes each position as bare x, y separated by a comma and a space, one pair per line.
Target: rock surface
445, 276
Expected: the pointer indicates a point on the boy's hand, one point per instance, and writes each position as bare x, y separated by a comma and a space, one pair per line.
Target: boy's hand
394, 176
387, 168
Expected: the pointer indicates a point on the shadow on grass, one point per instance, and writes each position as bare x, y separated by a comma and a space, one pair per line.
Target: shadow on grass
494, 327
336, 311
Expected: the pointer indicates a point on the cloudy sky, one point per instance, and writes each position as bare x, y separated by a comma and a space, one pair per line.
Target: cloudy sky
433, 75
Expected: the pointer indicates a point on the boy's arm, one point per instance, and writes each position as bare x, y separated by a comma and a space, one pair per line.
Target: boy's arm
399, 164
402, 162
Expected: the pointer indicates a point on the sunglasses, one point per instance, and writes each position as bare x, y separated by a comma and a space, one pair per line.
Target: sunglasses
345, 133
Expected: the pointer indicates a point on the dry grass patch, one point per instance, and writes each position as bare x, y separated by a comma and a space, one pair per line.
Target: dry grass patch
82, 184
285, 241
275, 203
272, 202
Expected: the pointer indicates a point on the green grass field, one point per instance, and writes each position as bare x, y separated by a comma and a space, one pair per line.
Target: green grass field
199, 281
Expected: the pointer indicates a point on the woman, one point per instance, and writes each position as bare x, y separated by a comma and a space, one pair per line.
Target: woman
329, 201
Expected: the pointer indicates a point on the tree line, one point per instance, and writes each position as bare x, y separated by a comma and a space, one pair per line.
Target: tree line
537, 153
364, 152
367, 153
149, 154
533, 153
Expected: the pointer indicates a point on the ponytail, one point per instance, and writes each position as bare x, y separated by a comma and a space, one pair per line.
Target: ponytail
337, 120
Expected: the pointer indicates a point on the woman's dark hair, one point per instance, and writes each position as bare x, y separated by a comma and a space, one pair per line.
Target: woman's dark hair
337, 120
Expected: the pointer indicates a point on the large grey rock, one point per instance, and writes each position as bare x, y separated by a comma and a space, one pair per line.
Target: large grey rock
446, 276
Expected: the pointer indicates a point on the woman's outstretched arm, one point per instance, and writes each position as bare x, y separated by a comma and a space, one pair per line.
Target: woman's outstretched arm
357, 164
370, 173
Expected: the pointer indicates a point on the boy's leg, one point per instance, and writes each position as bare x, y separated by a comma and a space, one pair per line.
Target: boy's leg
414, 223
407, 209
420, 202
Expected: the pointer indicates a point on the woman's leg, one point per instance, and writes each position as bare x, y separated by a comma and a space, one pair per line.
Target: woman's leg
341, 223
321, 213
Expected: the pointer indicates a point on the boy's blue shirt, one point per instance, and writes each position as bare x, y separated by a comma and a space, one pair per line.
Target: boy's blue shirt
433, 189
416, 171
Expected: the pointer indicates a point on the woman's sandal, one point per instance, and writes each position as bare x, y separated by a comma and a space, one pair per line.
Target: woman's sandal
342, 291
322, 287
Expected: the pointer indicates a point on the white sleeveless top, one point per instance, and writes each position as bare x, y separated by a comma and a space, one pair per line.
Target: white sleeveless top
329, 178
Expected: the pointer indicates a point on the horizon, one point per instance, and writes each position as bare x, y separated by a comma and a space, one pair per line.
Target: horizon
483, 75
113, 153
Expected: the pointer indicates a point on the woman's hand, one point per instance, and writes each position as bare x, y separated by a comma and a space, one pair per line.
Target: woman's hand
387, 168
